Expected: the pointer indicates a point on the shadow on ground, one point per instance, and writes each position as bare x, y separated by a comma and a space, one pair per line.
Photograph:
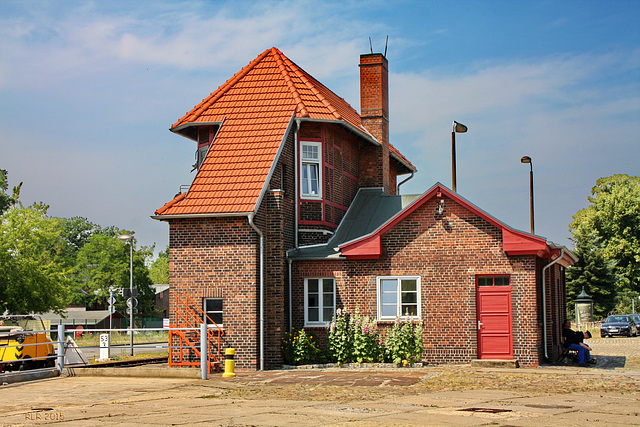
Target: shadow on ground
603, 362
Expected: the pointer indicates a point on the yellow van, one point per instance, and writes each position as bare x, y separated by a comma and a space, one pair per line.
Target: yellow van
24, 345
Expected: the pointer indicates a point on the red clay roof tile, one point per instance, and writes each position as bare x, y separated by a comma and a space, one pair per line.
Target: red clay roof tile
255, 107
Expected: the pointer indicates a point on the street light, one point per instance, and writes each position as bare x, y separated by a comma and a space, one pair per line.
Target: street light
527, 159
457, 128
129, 238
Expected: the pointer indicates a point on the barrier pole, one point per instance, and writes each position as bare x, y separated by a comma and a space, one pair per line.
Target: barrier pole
60, 348
229, 363
204, 358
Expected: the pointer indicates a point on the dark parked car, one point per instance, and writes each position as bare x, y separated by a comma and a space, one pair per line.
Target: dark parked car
620, 324
636, 319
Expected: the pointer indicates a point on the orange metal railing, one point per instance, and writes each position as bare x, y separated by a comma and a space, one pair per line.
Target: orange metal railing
190, 314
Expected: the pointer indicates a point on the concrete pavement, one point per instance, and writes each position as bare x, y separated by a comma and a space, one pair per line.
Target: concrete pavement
441, 395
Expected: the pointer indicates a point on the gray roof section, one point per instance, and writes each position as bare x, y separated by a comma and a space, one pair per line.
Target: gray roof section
370, 209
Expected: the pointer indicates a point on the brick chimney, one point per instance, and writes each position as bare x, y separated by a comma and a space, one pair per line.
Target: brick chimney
374, 111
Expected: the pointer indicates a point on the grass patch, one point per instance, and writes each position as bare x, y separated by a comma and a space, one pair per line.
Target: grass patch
89, 339
124, 357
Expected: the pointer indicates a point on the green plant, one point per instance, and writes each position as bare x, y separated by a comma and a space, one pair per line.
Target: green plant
366, 339
340, 337
403, 344
298, 348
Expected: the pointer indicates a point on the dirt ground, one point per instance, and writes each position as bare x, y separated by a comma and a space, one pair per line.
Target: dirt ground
608, 394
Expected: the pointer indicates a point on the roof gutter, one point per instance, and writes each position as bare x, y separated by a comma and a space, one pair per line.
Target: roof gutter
205, 215
544, 302
251, 217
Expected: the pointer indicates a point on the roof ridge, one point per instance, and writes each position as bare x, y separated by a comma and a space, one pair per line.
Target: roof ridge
303, 76
217, 94
287, 78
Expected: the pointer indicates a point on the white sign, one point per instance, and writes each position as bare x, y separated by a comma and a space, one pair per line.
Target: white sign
104, 340
104, 347
165, 323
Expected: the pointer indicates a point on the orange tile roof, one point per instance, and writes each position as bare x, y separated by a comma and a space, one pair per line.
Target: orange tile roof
256, 105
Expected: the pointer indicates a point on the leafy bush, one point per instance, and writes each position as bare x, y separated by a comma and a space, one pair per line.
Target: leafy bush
403, 344
366, 340
298, 348
340, 337
354, 338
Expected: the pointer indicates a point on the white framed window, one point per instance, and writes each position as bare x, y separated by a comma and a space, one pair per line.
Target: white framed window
311, 170
397, 296
213, 310
319, 300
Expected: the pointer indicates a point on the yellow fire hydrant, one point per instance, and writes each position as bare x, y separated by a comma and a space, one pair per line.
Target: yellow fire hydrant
229, 363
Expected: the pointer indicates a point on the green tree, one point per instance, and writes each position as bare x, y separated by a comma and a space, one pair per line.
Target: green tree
159, 270
7, 201
78, 230
103, 264
596, 276
610, 226
33, 276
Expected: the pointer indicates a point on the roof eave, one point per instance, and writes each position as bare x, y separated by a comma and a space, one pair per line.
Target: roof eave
181, 128
203, 215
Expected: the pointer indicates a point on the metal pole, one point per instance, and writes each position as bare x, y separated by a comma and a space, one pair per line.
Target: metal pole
453, 160
131, 297
110, 324
531, 198
60, 348
204, 357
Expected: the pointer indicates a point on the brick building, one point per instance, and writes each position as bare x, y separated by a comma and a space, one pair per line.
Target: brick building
294, 212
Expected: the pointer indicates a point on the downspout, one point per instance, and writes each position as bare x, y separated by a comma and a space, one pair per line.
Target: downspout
544, 303
296, 183
402, 182
250, 217
296, 212
290, 295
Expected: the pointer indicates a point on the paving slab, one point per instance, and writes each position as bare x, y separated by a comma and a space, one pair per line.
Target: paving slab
461, 395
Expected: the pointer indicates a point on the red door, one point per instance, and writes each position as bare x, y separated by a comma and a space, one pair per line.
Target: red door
495, 338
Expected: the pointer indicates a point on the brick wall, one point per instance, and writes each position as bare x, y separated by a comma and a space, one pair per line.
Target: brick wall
340, 173
447, 253
218, 257
276, 219
374, 111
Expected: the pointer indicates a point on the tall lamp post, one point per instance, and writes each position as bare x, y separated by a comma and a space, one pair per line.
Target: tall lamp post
527, 159
129, 238
457, 128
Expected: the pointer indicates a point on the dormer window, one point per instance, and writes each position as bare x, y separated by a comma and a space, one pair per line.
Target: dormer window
310, 170
203, 143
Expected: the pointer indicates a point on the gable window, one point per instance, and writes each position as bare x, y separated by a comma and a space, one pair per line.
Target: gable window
213, 311
398, 297
319, 300
310, 170
204, 139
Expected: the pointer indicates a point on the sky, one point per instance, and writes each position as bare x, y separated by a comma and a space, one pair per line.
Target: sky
89, 90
